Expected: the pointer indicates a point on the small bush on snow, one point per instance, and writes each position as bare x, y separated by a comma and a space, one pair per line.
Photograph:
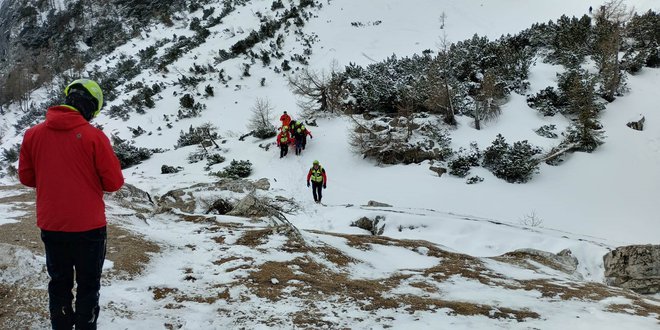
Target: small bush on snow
235, 170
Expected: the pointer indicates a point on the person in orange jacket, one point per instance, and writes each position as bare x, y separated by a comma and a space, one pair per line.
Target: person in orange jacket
319, 180
285, 119
283, 140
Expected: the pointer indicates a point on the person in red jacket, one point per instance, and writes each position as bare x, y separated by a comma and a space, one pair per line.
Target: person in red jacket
71, 163
283, 140
319, 179
285, 119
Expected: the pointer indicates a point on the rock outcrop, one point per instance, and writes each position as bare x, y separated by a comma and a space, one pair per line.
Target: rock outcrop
634, 267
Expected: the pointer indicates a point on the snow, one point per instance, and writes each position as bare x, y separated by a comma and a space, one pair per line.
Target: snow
590, 204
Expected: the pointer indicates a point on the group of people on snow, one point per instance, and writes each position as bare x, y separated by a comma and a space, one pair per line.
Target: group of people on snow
295, 133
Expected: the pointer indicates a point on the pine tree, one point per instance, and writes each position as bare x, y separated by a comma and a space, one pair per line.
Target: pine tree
585, 132
494, 154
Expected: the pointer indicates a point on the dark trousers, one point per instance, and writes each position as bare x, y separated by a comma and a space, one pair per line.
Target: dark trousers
83, 252
284, 149
299, 144
317, 188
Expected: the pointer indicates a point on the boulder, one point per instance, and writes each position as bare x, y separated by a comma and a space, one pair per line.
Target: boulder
177, 199
132, 197
252, 207
634, 267
371, 225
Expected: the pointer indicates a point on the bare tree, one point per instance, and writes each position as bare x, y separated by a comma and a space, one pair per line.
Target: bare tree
261, 121
319, 91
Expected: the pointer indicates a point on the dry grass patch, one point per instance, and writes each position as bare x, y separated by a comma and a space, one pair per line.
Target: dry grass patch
314, 281
128, 252
580, 291
460, 265
24, 232
335, 256
638, 307
424, 286
226, 260
415, 303
23, 308
312, 320
254, 238
160, 293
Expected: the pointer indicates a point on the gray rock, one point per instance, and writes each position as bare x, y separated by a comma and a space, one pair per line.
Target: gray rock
637, 125
177, 199
371, 225
378, 204
634, 267
262, 184
242, 185
439, 170
252, 207
132, 197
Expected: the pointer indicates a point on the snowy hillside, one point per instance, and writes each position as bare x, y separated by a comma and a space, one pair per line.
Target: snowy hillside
441, 259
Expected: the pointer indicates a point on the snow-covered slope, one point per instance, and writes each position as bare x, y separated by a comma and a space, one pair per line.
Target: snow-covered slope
608, 194
589, 204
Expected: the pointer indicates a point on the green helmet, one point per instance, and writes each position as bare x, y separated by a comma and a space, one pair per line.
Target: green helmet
316, 162
92, 88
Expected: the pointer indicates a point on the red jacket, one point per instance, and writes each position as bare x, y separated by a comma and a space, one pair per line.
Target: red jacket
283, 137
285, 119
71, 163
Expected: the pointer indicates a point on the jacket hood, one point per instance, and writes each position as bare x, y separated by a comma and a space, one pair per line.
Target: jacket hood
64, 118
